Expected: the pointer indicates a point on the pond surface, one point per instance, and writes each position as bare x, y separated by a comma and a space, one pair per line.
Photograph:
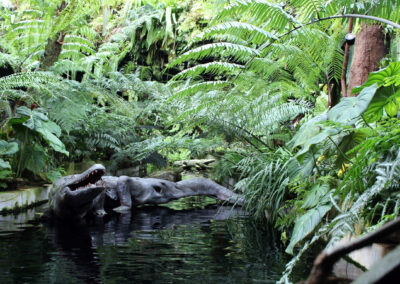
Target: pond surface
213, 244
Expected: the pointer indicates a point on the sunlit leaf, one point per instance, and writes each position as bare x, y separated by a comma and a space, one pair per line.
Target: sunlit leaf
4, 164
308, 130
315, 196
384, 77
350, 108
53, 141
306, 224
8, 148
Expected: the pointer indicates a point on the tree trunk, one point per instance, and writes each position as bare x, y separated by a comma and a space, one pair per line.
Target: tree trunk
54, 44
369, 49
52, 51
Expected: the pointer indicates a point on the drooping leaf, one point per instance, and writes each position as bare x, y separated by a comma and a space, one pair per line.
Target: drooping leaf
17, 121
36, 118
306, 224
316, 195
384, 77
52, 127
36, 160
324, 133
8, 148
33, 123
308, 160
23, 110
349, 109
53, 141
384, 100
4, 164
53, 175
308, 130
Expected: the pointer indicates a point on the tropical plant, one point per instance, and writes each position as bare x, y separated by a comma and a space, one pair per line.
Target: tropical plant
370, 149
6, 149
242, 71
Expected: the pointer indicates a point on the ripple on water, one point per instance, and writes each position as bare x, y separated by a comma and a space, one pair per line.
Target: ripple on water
148, 245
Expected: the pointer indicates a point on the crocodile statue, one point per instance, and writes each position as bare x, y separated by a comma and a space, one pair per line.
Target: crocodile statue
133, 191
73, 197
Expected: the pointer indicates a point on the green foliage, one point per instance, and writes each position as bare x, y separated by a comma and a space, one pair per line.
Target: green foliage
239, 88
367, 194
306, 224
264, 182
388, 95
32, 128
165, 145
6, 149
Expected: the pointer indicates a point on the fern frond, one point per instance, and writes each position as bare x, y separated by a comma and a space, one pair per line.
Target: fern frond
199, 87
28, 79
236, 51
215, 68
246, 31
261, 12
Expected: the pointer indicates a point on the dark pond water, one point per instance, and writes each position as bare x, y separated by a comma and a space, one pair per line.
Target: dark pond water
149, 245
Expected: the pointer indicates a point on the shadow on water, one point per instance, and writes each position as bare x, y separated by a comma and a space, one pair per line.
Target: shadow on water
148, 245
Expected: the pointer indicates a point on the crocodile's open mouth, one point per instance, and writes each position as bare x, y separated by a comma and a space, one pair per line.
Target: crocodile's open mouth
88, 180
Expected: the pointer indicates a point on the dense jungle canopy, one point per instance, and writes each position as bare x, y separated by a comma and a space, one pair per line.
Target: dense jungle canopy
306, 122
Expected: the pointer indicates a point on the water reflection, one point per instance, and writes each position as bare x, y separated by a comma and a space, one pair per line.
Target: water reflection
148, 245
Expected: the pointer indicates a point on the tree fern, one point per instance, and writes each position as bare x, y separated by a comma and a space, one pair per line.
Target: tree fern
212, 68
387, 171
192, 89
250, 33
35, 80
237, 52
259, 10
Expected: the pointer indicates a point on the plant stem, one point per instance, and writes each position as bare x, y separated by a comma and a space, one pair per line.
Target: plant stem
366, 122
337, 147
345, 62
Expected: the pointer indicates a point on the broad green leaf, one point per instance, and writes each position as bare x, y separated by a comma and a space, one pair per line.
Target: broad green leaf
325, 132
36, 120
385, 99
4, 164
53, 175
349, 109
53, 141
308, 130
8, 148
33, 123
17, 121
384, 77
39, 115
23, 110
52, 127
306, 224
391, 109
308, 161
348, 142
315, 195
5, 174
36, 159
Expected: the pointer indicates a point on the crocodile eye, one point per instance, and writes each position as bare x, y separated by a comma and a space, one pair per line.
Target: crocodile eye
157, 188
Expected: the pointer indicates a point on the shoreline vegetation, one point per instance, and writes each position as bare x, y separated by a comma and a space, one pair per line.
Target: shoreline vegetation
304, 121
